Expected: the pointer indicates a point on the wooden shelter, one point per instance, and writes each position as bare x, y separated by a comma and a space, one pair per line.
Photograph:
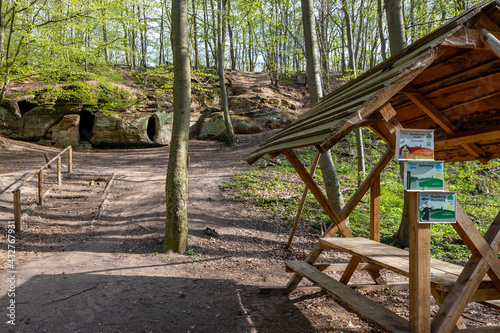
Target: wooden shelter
448, 81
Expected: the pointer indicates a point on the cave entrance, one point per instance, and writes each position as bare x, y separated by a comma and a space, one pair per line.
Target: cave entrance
26, 106
152, 129
86, 127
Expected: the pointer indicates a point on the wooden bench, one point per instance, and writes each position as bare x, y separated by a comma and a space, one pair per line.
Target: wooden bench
368, 309
443, 274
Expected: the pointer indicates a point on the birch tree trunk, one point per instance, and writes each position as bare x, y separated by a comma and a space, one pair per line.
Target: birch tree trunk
328, 170
176, 230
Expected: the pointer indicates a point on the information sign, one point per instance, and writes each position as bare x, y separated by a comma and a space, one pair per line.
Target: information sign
423, 176
415, 145
437, 207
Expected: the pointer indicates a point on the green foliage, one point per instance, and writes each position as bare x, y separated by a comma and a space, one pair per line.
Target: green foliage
276, 191
65, 74
162, 79
97, 96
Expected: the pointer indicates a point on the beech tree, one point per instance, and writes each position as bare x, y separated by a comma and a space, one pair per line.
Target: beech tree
230, 138
176, 188
328, 170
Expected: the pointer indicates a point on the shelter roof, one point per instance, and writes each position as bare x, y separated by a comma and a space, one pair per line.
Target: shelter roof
448, 81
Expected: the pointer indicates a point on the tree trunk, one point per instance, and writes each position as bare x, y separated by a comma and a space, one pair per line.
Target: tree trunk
315, 91
231, 38
397, 42
2, 32
231, 139
195, 35
380, 15
176, 230
395, 24
205, 33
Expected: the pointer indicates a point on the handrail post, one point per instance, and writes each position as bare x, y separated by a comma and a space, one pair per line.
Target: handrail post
70, 159
40, 187
17, 210
59, 180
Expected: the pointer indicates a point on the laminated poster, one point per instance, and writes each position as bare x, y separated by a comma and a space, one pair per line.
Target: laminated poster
423, 176
415, 145
437, 207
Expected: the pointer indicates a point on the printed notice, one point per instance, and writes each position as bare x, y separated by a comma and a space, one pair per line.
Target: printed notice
423, 176
437, 207
415, 145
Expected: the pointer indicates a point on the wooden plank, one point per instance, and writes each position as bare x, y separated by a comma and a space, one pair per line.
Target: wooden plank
485, 134
487, 329
310, 259
367, 309
420, 279
395, 259
341, 267
466, 284
316, 191
492, 304
445, 124
302, 201
375, 210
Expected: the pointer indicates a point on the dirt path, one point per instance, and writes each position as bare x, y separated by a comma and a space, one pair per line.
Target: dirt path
107, 277
107, 274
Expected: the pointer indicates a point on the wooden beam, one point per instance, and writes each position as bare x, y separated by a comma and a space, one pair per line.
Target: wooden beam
444, 122
438, 297
466, 285
302, 201
491, 41
420, 263
366, 308
367, 184
485, 134
375, 210
477, 244
350, 269
346, 211
318, 194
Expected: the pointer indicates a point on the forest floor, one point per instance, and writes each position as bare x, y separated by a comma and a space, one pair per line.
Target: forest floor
89, 259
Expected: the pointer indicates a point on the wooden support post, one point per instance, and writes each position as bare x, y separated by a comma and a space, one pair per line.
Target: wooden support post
375, 210
17, 210
466, 284
348, 208
59, 178
40, 187
316, 191
70, 159
420, 263
351, 267
302, 201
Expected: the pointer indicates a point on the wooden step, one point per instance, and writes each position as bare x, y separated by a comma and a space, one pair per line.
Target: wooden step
366, 308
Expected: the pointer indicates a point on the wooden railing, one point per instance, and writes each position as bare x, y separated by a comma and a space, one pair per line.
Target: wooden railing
39, 172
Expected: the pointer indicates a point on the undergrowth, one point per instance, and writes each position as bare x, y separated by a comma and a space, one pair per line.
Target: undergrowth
274, 188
